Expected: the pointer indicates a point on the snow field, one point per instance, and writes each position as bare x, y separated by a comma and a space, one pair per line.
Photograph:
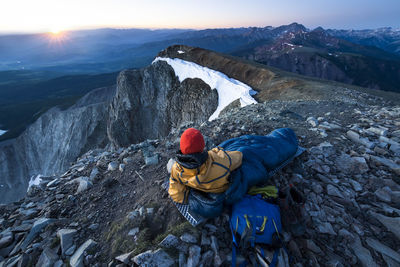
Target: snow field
228, 89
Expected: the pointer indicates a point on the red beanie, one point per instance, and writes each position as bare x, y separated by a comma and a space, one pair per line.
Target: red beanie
192, 141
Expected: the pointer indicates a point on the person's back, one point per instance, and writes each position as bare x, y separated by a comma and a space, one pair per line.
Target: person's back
205, 171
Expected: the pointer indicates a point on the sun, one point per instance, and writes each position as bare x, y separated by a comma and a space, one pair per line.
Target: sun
55, 31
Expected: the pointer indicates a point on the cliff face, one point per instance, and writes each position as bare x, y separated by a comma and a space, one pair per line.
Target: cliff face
151, 101
57, 138
145, 104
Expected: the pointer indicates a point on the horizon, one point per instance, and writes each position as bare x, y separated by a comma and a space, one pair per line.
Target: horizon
188, 29
44, 16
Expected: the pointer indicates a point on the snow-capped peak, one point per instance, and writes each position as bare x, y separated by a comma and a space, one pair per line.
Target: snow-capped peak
228, 89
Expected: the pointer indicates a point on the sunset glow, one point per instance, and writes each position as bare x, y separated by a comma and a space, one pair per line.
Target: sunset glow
40, 15
55, 31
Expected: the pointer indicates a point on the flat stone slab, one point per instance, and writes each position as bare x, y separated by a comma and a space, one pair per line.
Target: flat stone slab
381, 248
66, 239
77, 259
36, 228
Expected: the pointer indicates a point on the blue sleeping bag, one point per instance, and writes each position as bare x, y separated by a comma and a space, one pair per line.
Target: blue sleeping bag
261, 155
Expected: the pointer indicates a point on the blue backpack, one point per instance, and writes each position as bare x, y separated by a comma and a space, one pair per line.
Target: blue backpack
254, 220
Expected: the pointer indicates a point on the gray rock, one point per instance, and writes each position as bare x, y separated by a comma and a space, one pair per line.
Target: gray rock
150, 211
358, 229
351, 165
326, 228
333, 191
205, 241
36, 228
29, 213
6, 239
124, 258
93, 174
215, 248
77, 259
214, 244
132, 215
121, 167
172, 241
384, 194
94, 226
207, 258
156, 258
133, 231
329, 126
389, 261
378, 131
355, 137
211, 228
141, 211
317, 188
309, 244
194, 256
356, 185
182, 259
53, 182
388, 163
312, 121
346, 234
388, 141
58, 263
12, 262
66, 239
84, 184
151, 160
392, 224
188, 238
127, 160
47, 258
70, 251
363, 254
384, 250
17, 248
112, 166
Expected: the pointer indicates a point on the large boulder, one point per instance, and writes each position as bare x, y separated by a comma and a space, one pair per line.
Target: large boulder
151, 101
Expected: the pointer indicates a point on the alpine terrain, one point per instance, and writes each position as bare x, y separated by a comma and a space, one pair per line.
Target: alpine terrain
85, 186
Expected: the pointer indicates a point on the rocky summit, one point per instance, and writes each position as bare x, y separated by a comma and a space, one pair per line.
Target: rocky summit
109, 208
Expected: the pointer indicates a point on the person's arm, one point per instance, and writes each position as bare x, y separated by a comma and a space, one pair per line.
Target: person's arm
177, 191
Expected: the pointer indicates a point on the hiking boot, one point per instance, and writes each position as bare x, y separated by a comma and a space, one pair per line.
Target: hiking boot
291, 203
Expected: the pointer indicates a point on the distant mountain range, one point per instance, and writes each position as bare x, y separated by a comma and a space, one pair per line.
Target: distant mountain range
32, 67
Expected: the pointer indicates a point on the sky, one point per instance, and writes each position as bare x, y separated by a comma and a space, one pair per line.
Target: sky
58, 15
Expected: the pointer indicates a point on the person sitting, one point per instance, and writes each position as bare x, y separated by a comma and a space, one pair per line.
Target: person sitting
224, 174
207, 171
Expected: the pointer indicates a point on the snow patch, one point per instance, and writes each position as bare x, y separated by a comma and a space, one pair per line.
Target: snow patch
289, 44
228, 89
2, 132
34, 181
181, 52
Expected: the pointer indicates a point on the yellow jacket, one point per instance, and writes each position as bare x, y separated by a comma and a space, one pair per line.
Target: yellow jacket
211, 176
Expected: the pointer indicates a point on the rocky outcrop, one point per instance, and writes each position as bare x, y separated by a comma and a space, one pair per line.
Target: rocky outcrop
351, 211
151, 101
51, 143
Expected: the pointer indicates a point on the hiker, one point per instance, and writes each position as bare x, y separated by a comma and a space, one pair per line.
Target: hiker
224, 174
199, 169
